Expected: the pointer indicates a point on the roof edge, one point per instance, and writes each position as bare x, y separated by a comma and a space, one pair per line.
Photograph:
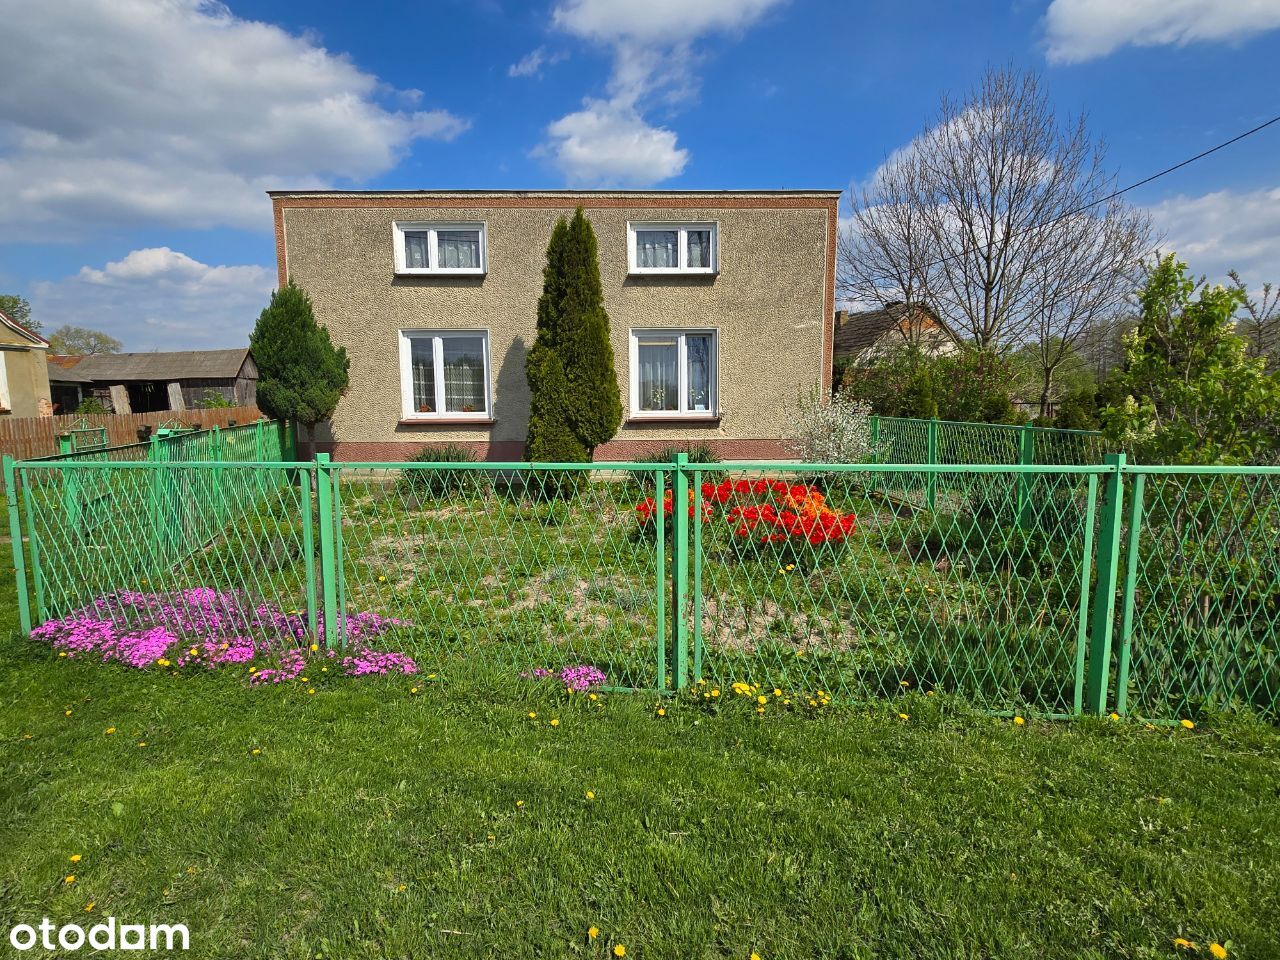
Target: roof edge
500, 192
35, 338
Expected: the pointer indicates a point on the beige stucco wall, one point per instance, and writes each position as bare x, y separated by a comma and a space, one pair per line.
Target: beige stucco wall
26, 374
770, 303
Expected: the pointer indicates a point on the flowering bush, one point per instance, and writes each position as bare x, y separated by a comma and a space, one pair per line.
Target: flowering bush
576, 678
771, 517
204, 627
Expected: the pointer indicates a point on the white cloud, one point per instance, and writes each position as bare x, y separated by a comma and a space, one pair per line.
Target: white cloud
159, 299
656, 22
609, 141
605, 143
531, 64
1079, 30
1223, 230
176, 112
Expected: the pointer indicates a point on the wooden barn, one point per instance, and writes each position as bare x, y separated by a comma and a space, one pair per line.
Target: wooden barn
180, 380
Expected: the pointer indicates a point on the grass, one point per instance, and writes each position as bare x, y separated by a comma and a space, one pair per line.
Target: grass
374, 822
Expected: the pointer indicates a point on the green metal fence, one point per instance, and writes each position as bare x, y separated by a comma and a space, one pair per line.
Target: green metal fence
1057, 589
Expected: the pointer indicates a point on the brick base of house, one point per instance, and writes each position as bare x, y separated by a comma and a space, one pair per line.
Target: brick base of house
513, 450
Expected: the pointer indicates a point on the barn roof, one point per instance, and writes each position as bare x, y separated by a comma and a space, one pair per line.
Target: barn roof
63, 373
175, 365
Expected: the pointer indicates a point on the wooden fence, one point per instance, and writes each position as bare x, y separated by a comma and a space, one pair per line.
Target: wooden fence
25, 438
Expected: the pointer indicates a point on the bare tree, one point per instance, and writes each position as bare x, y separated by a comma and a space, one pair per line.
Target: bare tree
1000, 218
1260, 322
887, 257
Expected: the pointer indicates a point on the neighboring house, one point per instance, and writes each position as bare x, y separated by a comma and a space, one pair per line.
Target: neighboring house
67, 387
179, 380
24, 374
861, 337
720, 307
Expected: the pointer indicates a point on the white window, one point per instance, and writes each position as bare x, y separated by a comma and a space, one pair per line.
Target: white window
444, 375
673, 373
673, 247
445, 248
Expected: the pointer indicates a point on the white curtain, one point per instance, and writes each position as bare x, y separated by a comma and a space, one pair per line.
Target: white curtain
458, 248
698, 351
415, 250
659, 377
657, 248
700, 248
464, 387
423, 368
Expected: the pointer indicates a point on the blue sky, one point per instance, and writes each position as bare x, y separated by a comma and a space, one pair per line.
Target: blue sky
137, 136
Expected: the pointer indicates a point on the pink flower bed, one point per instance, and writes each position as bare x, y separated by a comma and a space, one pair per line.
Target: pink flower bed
204, 627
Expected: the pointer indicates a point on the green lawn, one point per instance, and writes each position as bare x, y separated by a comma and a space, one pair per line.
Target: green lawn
364, 821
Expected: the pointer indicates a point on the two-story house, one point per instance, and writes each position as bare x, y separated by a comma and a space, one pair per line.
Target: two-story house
720, 306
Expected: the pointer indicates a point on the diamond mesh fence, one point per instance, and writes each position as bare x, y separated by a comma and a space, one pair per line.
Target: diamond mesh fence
994, 583
1200, 604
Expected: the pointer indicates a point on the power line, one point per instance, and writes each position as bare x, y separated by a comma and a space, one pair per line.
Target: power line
1117, 193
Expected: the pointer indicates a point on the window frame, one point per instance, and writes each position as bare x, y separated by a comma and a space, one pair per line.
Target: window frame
406, 337
683, 411
682, 228
433, 228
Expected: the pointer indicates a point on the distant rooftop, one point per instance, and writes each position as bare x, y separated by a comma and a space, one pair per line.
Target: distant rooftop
175, 365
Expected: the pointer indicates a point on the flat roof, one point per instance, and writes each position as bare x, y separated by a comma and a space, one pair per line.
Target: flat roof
501, 192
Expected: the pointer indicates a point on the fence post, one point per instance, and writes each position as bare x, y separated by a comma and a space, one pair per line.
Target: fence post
1128, 597
1026, 457
659, 581
874, 423
931, 478
155, 506
1104, 595
64, 443
695, 611
680, 568
308, 545
15, 539
257, 440
328, 566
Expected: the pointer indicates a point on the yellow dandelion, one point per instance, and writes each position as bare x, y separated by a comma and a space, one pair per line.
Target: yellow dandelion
88, 907
662, 712
62, 653
1218, 950
762, 699
311, 691
904, 683
593, 932
1113, 716
929, 694
1182, 943
755, 956
401, 889
519, 803
790, 567
75, 858
194, 652
714, 693
555, 721
324, 669
532, 715
592, 696
315, 647
302, 680
619, 950
255, 751
142, 743
760, 710
1187, 724
777, 692
904, 716
382, 578
110, 730
413, 690
1018, 721
66, 713
71, 878
591, 794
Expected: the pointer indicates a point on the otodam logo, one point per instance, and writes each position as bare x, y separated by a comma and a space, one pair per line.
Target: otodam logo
107, 935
